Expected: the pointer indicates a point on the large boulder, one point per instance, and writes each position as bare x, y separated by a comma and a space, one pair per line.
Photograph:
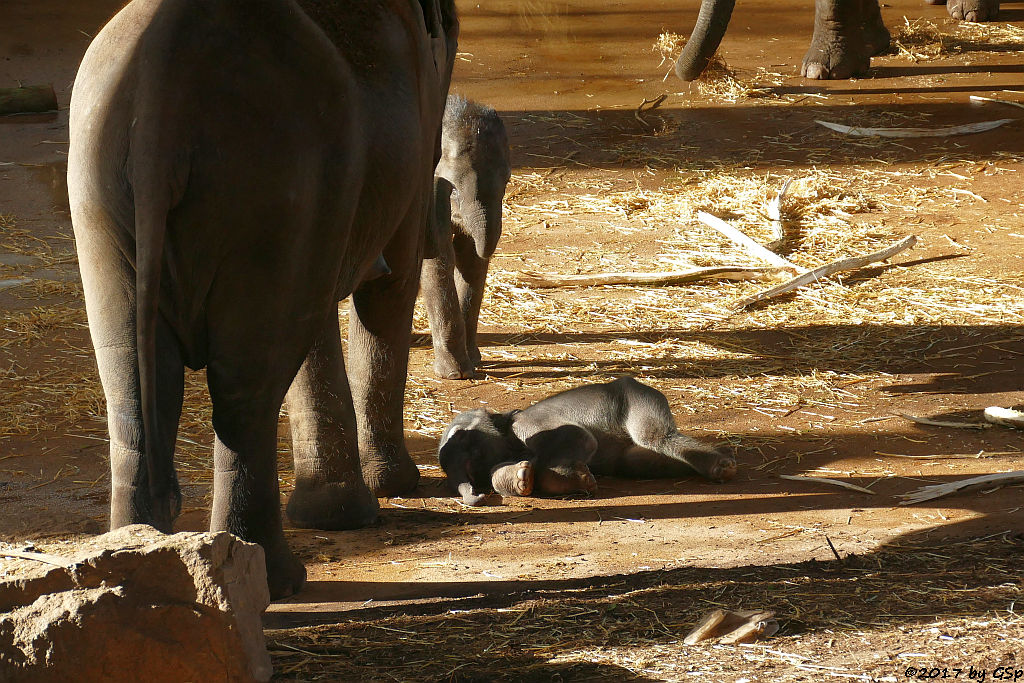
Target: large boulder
137, 605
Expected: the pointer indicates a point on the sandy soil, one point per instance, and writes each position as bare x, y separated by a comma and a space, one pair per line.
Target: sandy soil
567, 77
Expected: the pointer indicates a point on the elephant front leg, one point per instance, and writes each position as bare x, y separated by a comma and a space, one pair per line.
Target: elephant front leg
447, 328
380, 331
329, 489
470, 278
838, 47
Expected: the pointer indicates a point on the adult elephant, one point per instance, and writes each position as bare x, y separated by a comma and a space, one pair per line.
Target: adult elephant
236, 168
847, 33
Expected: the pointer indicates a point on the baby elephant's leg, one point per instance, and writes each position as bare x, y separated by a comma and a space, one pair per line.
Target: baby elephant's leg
513, 478
565, 479
650, 425
637, 462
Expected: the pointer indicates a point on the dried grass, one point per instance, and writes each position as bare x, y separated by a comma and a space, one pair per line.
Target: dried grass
923, 40
719, 82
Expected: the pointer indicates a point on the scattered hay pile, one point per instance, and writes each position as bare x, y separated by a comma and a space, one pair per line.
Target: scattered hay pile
923, 40
718, 82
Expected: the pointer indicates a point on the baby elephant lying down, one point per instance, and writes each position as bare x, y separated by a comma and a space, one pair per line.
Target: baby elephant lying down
622, 428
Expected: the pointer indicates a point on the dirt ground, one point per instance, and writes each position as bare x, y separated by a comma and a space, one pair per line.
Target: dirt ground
811, 384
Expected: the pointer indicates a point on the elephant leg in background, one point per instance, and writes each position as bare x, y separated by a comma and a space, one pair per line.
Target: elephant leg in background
329, 489
380, 331
876, 36
840, 45
969, 10
447, 324
110, 301
470, 278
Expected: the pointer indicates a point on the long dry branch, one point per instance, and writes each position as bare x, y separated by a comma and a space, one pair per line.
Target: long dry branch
939, 490
807, 278
548, 280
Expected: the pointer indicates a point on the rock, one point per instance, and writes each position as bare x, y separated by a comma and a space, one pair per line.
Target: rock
137, 604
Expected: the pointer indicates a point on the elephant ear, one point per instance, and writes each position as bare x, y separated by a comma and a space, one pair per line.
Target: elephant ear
439, 222
443, 28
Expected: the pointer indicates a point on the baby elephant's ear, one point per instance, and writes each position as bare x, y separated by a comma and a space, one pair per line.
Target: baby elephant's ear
440, 219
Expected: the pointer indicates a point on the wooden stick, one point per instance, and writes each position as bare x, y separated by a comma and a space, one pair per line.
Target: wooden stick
775, 214
38, 557
939, 490
945, 423
978, 98
965, 129
547, 280
28, 100
807, 278
826, 480
750, 245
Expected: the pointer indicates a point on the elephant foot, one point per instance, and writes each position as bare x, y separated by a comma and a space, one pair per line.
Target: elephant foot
387, 476
471, 497
285, 574
332, 506
513, 479
973, 10
724, 469
566, 479
712, 464
134, 506
833, 55
447, 366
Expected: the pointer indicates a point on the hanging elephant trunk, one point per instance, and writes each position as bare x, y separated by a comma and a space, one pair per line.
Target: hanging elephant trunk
706, 37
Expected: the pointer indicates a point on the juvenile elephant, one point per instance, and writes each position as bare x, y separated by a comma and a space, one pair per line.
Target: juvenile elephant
847, 33
236, 168
622, 428
469, 188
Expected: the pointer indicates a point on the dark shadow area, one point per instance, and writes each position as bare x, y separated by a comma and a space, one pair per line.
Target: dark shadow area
952, 356
490, 632
702, 137
910, 71
1004, 541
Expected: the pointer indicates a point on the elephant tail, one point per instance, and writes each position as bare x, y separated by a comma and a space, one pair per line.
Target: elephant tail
706, 37
156, 187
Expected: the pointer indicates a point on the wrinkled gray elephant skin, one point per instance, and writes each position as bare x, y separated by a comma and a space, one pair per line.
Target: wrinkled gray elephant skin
847, 33
472, 174
622, 428
236, 168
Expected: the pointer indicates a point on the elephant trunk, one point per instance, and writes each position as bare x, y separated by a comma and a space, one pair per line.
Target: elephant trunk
482, 221
706, 37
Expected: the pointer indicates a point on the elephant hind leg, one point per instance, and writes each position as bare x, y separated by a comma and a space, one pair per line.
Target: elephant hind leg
246, 498
134, 499
108, 282
651, 427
